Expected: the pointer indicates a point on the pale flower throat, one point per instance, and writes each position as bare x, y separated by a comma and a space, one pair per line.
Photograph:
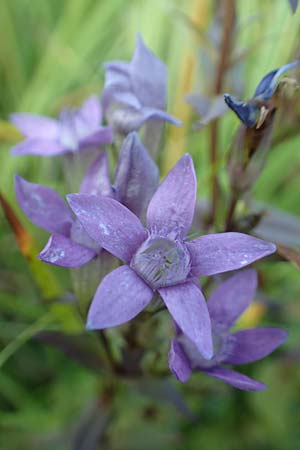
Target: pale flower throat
162, 262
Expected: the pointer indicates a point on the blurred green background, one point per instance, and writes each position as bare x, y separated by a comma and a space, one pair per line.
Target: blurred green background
51, 54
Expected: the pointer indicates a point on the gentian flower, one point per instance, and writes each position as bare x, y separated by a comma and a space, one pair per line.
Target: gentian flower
74, 130
254, 112
158, 258
70, 246
229, 300
135, 91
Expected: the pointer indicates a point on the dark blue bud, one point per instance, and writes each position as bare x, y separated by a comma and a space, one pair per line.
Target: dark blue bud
248, 113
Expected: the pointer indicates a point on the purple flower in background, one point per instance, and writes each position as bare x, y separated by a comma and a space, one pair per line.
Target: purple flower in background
225, 305
135, 91
70, 246
254, 112
74, 130
294, 5
159, 258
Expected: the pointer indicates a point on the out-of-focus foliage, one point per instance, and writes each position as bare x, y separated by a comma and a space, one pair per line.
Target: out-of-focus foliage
51, 53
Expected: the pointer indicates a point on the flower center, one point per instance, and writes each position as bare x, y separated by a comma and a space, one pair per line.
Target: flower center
161, 262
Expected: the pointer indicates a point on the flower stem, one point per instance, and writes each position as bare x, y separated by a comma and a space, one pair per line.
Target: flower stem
223, 64
231, 211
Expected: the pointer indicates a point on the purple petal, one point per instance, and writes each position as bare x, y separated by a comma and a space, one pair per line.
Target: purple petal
136, 175
217, 253
127, 98
117, 75
254, 344
117, 81
120, 296
80, 236
148, 76
126, 119
34, 126
188, 308
38, 146
159, 115
43, 206
63, 252
109, 223
97, 179
172, 206
231, 298
100, 137
178, 362
91, 111
236, 379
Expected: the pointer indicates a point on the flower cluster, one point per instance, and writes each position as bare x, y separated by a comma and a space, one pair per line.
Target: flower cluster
159, 257
146, 226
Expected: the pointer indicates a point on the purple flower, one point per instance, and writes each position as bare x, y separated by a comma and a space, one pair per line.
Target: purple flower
225, 305
253, 112
70, 246
159, 258
74, 130
135, 91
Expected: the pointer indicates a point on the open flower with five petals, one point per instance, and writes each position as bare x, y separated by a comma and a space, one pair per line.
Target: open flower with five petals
227, 302
74, 130
159, 258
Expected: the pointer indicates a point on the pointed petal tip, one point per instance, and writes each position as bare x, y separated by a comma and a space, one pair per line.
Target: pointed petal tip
89, 326
284, 336
176, 122
63, 252
207, 353
186, 162
178, 362
229, 100
15, 151
44, 254
19, 180
72, 197
235, 379
139, 38
254, 344
256, 386
280, 336
268, 247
